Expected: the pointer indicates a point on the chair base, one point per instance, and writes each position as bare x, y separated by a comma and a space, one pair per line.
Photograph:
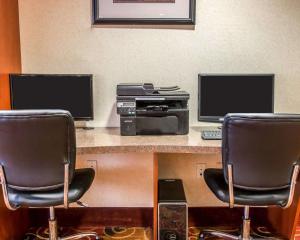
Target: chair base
245, 235
53, 233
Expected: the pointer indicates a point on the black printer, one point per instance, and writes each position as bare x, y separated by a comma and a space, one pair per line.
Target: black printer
146, 110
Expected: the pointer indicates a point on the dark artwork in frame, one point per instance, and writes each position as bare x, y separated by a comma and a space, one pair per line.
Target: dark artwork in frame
144, 1
161, 12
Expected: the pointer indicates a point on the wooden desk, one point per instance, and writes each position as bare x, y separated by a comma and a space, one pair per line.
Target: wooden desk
105, 141
155, 156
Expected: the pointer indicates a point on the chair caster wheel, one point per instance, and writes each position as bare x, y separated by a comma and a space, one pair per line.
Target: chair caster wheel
201, 237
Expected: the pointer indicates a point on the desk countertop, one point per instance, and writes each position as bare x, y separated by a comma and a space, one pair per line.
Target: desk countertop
109, 140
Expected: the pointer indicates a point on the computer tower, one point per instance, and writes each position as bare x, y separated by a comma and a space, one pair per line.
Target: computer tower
172, 210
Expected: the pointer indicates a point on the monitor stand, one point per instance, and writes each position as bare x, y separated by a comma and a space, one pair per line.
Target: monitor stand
82, 125
221, 120
87, 128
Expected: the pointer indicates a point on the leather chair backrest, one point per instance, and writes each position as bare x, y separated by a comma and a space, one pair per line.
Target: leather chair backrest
262, 148
34, 146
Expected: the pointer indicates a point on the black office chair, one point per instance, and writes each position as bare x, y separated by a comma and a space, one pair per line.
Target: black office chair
37, 163
261, 156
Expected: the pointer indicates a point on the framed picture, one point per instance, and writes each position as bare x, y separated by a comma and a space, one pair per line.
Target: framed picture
144, 12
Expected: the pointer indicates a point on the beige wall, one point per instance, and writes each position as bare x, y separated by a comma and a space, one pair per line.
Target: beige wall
231, 36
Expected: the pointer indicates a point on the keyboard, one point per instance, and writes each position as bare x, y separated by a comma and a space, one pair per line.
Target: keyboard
211, 134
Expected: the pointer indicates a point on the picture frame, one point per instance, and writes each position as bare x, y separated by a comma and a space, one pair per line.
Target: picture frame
144, 12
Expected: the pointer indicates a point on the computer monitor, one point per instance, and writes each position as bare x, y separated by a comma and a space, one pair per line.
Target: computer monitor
48, 91
222, 94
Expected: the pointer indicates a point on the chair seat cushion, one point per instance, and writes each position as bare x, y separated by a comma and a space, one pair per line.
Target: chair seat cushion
215, 180
81, 182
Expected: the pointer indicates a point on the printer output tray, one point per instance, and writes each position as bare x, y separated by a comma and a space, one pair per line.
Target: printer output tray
157, 123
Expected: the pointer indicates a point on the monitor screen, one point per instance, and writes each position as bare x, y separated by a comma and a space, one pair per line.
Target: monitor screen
42, 91
222, 94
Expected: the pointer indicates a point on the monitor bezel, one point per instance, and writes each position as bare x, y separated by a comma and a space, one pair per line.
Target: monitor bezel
218, 119
90, 118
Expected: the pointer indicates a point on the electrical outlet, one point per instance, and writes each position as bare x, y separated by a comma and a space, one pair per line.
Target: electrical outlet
92, 164
200, 167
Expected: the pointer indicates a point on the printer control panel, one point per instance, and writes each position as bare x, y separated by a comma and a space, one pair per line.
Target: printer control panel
126, 107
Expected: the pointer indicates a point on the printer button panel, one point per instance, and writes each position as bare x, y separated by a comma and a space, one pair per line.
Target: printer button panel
126, 108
